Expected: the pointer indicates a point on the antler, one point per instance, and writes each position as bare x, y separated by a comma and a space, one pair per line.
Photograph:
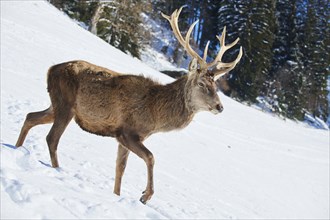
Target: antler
173, 19
223, 68
220, 67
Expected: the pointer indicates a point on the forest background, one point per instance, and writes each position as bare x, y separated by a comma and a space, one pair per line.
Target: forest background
285, 66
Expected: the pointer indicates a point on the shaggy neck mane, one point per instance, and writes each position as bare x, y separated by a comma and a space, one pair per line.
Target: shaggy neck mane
171, 104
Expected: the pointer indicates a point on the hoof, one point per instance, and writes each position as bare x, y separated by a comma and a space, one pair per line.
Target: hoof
145, 197
143, 201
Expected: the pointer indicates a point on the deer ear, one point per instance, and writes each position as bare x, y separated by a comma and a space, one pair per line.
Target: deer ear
193, 68
193, 65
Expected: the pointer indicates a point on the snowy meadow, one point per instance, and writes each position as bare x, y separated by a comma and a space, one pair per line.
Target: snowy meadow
240, 164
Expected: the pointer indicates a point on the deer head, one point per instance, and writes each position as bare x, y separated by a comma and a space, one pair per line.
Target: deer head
202, 75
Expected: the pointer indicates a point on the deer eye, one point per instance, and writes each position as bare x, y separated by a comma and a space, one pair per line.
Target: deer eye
200, 84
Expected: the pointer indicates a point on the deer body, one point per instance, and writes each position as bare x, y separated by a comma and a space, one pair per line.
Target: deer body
106, 102
129, 108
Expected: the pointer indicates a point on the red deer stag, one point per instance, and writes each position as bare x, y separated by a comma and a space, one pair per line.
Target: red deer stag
128, 107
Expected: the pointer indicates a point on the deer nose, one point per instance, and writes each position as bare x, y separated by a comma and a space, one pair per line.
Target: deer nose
219, 107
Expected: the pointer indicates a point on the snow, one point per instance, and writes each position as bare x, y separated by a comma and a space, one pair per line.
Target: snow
241, 164
160, 39
156, 60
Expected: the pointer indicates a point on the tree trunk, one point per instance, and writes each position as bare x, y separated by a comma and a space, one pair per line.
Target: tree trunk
95, 18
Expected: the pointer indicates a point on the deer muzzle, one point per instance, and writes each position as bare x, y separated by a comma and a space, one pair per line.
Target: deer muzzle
217, 109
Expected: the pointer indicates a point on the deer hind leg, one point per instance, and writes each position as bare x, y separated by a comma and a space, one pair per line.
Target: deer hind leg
62, 119
122, 156
33, 119
133, 143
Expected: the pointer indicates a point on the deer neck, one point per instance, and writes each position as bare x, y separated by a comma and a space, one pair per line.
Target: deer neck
172, 106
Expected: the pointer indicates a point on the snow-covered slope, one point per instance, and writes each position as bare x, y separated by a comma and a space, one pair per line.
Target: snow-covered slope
160, 39
239, 164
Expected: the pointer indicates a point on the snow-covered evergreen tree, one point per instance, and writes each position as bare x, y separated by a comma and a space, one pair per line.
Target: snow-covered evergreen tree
253, 22
316, 56
286, 82
118, 22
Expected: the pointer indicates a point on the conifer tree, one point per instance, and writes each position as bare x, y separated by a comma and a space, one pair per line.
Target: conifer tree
253, 22
286, 80
209, 27
316, 57
118, 22
121, 25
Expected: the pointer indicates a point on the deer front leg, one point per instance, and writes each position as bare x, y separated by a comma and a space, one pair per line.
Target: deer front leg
133, 143
122, 156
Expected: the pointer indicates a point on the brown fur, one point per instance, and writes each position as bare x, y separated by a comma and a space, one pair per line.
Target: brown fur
127, 107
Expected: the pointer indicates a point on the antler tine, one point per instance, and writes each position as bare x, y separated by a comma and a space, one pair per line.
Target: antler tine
173, 19
222, 38
222, 65
222, 48
205, 51
222, 68
188, 47
220, 72
175, 29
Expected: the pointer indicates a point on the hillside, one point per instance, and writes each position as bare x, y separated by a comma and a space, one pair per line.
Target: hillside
240, 164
